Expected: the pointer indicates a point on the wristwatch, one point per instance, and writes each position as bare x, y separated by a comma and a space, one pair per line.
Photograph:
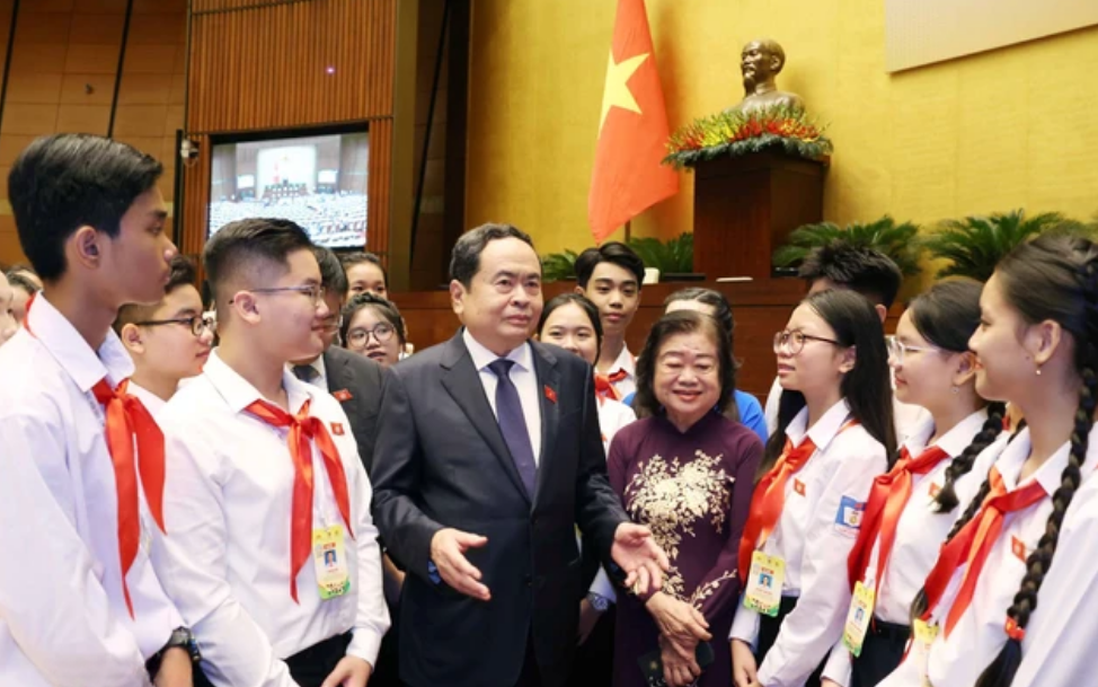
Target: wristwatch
183, 638
598, 602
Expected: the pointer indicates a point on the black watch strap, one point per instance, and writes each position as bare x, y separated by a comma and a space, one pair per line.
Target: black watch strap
183, 638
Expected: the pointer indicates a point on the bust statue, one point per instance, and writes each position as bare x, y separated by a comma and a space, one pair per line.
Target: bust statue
761, 61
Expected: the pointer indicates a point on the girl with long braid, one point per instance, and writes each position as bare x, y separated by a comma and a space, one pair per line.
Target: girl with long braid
912, 507
1035, 349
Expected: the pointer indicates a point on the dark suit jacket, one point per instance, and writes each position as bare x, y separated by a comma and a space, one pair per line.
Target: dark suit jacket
362, 378
442, 462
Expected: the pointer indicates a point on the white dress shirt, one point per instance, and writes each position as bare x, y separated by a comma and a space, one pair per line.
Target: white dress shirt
920, 530
227, 562
524, 377
815, 542
906, 417
613, 415
958, 660
321, 379
153, 403
626, 363
63, 616
1058, 648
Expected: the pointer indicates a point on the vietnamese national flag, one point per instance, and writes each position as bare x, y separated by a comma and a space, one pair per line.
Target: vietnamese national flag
628, 177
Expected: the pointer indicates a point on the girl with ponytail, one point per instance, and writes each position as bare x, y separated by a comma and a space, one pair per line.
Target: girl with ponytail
1035, 348
912, 507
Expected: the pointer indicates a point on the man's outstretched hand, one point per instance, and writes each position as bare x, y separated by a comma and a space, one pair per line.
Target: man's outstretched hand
636, 552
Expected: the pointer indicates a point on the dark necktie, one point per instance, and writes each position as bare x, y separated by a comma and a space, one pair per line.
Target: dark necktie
306, 373
512, 423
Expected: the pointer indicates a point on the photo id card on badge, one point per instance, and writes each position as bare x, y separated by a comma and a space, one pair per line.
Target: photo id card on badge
330, 562
857, 618
764, 584
923, 635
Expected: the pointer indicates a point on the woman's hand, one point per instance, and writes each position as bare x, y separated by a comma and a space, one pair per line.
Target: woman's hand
679, 622
677, 670
745, 673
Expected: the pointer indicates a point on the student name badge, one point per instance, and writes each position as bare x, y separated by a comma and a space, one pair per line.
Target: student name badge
764, 584
330, 561
858, 617
924, 635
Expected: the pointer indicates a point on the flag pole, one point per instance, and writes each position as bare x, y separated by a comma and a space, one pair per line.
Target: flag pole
628, 230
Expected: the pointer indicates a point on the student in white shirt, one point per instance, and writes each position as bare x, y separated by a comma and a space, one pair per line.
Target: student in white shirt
275, 560
571, 321
806, 509
1035, 348
81, 460
169, 341
911, 509
610, 276
865, 271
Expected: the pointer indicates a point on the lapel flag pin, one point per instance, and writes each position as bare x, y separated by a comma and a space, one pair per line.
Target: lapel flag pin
550, 394
1018, 548
798, 486
337, 429
342, 395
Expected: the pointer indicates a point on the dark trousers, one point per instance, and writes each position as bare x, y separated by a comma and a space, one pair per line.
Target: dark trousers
594, 662
310, 667
882, 652
768, 634
530, 676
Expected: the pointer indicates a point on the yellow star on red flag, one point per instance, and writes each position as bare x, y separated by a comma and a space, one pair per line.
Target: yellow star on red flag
616, 92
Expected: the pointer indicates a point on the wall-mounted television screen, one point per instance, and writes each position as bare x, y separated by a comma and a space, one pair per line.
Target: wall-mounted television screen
317, 181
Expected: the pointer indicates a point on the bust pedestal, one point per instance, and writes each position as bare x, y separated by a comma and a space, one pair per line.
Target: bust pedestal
746, 206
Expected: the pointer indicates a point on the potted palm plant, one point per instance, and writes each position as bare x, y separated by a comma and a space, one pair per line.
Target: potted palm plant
897, 241
674, 259
974, 245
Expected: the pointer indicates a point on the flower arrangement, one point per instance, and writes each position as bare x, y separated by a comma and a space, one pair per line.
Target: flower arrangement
735, 133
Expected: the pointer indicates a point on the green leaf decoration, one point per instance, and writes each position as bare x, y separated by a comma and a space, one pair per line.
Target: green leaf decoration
974, 245
897, 241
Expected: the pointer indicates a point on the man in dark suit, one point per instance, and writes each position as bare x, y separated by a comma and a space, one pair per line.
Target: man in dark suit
488, 455
353, 379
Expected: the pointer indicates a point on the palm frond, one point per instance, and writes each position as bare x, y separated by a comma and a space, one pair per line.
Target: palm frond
897, 241
558, 266
973, 246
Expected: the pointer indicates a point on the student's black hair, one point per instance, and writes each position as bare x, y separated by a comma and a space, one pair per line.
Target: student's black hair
383, 306
614, 252
1053, 277
946, 315
869, 272
183, 273
866, 387
682, 322
349, 260
332, 276
62, 182
588, 308
465, 258
722, 312
239, 244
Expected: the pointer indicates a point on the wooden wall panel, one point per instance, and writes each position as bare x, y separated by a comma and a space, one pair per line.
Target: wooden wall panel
259, 65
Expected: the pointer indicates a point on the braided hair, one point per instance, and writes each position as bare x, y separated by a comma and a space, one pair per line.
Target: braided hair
1054, 277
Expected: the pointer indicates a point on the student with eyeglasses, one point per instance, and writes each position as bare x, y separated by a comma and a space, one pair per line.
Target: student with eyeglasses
372, 327
169, 341
835, 434
912, 507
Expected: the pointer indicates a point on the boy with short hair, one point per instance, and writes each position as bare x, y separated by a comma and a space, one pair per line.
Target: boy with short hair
610, 276
169, 341
278, 565
81, 460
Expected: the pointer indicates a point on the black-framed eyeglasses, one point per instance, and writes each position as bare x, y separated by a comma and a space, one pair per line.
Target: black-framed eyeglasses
315, 292
197, 323
898, 349
360, 336
794, 341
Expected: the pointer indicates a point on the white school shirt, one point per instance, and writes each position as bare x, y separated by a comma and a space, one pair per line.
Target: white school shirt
153, 403
613, 415
523, 376
227, 563
63, 616
905, 416
958, 660
814, 535
1061, 636
920, 530
626, 363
